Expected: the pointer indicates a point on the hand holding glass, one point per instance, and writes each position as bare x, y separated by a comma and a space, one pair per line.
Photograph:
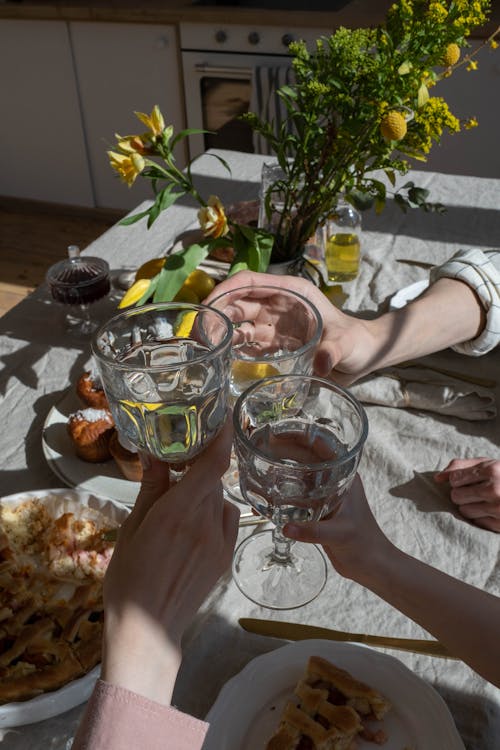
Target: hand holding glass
276, 332
298, 442
165, 371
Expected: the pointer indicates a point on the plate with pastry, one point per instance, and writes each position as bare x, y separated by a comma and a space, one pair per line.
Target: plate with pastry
334, 696
54, 549
82, 447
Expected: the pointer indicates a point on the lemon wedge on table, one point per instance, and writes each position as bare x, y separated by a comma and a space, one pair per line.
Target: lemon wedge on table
244, 371
200, 282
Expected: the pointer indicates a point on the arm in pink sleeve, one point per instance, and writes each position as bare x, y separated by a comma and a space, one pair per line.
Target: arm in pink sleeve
118, 719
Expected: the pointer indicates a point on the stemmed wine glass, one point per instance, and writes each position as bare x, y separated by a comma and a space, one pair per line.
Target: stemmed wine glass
76, 283
165, 371
298, 442
276, 332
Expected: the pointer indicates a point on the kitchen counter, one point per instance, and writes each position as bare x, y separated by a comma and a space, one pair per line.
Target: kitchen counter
355, 13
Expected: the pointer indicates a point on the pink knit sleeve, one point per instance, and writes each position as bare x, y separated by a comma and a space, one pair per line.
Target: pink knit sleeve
118, 719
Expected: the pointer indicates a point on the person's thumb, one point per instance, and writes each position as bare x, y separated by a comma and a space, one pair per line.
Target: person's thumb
325, 360
309, 531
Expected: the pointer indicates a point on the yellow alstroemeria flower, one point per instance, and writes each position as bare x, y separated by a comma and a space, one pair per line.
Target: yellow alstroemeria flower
212, 218
154, 122
128, 167
132, 144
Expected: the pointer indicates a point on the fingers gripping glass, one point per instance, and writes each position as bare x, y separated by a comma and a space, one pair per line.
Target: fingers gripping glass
298, 442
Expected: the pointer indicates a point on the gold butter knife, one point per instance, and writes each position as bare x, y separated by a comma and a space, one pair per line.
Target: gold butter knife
295, 632
418, 263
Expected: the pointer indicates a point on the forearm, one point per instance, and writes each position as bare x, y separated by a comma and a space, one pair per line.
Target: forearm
447, 314
465, 619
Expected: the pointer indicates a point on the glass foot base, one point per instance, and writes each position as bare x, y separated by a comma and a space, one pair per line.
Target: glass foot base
79, 327
277, 585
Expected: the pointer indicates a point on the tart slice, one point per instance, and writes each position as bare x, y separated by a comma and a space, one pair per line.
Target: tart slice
327, 710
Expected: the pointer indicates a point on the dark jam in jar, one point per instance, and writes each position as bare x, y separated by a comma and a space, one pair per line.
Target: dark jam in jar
77, 280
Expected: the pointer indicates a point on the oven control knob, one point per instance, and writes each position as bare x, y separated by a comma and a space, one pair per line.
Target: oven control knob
287, 39
220, 36
254, 37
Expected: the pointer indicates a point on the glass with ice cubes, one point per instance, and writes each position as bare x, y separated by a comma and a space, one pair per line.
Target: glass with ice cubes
165, 371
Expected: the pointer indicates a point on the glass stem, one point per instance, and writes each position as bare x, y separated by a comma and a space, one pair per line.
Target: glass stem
282, 546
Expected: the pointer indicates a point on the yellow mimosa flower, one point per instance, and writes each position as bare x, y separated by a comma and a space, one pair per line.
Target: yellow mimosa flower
471, 123
128, 167
212, 218
393, 126
451, 55
154, 122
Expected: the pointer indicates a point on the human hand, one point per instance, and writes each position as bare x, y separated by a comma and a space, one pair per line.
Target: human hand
350, 535
344, 352
171, 550
475, 489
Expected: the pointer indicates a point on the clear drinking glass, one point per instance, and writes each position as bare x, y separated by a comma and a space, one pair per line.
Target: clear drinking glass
275, 332
165, 370
298, 441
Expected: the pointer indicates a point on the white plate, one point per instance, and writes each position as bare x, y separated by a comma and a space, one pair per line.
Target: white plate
248, 708
78, 691
102, 479
405, 295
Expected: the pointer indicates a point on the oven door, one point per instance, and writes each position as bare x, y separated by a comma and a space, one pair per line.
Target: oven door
218, 88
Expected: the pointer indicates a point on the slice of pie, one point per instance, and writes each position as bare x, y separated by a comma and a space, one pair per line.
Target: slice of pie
51, 609
328, 711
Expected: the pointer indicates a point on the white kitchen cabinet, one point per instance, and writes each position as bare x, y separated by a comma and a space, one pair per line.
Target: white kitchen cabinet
42, 152
122, 68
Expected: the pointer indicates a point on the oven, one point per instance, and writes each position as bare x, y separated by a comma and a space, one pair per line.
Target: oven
223, 68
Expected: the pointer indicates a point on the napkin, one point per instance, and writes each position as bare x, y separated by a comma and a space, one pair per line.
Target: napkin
417, 388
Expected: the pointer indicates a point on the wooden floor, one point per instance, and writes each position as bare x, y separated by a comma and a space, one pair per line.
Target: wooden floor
34, 236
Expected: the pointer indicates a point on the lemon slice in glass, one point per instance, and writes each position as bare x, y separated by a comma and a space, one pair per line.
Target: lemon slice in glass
243, 371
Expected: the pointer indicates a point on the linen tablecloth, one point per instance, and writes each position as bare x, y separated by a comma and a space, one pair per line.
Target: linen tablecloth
403, 449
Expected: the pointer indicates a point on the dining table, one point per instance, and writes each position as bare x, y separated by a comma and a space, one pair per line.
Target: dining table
41, 363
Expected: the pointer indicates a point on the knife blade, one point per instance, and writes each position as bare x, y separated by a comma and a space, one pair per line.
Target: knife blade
418, 263
296, 632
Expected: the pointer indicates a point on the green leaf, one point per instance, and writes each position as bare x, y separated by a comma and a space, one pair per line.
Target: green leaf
167, 197
418, 195
405, 68
187, 131
391, 175
177, 268
422, 96
252, 249
361, 200
128, 220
